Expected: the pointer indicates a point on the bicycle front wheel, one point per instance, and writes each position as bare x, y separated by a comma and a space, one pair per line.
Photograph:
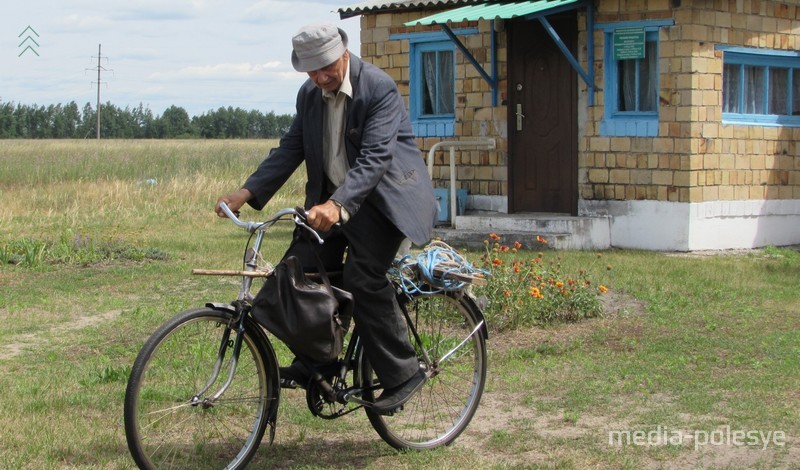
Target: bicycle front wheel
452, 347
171, 417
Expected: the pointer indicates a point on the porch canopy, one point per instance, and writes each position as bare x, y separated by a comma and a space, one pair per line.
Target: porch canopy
528, 10
490, 11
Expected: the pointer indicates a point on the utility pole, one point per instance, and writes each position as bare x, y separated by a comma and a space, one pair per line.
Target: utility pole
99, 55
100, 69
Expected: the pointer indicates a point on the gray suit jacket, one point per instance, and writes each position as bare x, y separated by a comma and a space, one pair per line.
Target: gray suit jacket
386, 167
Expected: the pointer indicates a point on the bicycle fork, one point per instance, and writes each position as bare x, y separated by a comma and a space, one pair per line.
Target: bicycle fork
225, 344
251, 261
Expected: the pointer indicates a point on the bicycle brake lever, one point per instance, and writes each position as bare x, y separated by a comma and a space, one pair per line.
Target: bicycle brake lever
301, 219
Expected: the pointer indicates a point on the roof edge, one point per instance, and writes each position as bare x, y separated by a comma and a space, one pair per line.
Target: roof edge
376, 6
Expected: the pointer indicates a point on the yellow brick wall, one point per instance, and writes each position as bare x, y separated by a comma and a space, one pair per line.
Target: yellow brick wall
695, 158
479, 171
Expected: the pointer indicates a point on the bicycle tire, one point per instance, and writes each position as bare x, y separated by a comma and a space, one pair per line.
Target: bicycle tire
165, 428
443, 408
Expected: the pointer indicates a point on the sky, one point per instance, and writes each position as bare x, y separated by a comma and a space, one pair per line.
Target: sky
196, 54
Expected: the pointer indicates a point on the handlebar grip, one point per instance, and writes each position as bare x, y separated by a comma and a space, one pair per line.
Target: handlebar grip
233, 215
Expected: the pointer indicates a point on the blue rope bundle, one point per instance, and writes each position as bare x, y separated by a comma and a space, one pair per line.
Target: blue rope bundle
434, 264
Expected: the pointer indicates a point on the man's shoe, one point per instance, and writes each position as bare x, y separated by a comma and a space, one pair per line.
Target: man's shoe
298, 376
393, 398
294, 376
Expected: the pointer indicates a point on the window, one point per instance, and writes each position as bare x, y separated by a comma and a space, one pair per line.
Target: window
438, 98
637, 81
631, 88
432, 88
761, 87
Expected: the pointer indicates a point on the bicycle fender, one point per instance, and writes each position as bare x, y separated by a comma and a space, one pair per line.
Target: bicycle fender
221, 307
478, 314
272, 363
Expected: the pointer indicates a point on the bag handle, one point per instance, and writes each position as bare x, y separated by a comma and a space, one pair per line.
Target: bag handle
323, 274
321, 271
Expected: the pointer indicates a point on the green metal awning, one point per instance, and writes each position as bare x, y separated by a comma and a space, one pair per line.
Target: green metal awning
537, 10
490, 11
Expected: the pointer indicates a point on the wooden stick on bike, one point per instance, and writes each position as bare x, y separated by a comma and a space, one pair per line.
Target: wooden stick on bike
227, 272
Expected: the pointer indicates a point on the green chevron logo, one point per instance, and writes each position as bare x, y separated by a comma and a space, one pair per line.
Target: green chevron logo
29, 42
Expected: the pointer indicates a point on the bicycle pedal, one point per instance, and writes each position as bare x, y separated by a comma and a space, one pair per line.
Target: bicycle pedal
289, 384
392, 412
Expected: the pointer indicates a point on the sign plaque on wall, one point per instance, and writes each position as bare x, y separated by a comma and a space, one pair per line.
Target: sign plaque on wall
628, 43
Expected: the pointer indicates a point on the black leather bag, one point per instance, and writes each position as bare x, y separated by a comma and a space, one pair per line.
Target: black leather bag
311, 318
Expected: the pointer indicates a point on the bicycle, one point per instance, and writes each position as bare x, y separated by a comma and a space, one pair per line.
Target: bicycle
205, 386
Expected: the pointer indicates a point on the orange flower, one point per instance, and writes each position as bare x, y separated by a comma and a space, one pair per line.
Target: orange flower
494, 236
507, 293
603, 289
504, 248
536, 293
517, 269
497, 262
559, 284
541, 240
517, 245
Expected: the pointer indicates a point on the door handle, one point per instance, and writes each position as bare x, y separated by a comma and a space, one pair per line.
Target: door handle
520, 117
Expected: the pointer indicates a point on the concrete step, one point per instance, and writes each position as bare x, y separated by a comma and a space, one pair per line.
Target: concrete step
562, 232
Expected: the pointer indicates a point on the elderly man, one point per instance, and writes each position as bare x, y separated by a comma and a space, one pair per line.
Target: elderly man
365, 172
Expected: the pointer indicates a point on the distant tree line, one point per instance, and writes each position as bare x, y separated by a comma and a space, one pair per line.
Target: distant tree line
18, 121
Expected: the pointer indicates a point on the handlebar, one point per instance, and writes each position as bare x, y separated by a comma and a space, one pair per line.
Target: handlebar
298, 214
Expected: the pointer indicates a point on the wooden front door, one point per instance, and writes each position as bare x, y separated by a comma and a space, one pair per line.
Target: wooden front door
542, 118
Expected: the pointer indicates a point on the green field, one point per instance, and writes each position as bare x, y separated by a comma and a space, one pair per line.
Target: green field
97, 241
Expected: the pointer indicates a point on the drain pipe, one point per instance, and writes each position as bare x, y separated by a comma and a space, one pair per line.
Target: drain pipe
489, 144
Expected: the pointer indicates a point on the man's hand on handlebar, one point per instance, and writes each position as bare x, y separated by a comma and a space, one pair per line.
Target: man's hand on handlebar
323, 217
234, 201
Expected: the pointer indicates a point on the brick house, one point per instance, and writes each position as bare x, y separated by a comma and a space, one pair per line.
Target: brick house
655, 124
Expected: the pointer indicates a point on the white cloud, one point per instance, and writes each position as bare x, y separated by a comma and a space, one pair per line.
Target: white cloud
76, 23
245, 69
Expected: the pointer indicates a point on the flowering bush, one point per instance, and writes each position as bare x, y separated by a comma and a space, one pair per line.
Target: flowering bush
528, 288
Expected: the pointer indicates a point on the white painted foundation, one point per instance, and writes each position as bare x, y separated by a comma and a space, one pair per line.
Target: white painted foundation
715, 225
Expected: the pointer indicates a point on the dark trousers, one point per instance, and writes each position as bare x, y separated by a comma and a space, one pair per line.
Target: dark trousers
370, 242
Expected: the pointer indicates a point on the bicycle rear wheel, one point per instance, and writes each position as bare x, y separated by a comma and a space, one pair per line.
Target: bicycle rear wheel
170, 421
448, 327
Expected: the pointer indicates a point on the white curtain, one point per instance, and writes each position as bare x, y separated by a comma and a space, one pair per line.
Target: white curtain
730, 88
438, 94
744, 90
627, 85
446, 83
648, 79
639, 77
753, 90
778, 91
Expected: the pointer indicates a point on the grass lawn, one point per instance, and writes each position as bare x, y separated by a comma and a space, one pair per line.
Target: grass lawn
695, 363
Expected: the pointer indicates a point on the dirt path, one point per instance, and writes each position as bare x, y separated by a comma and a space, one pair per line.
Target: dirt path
24, 341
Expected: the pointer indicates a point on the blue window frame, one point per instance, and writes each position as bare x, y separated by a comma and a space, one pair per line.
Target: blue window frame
631, 86
760, 87
432, 97
432, 88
